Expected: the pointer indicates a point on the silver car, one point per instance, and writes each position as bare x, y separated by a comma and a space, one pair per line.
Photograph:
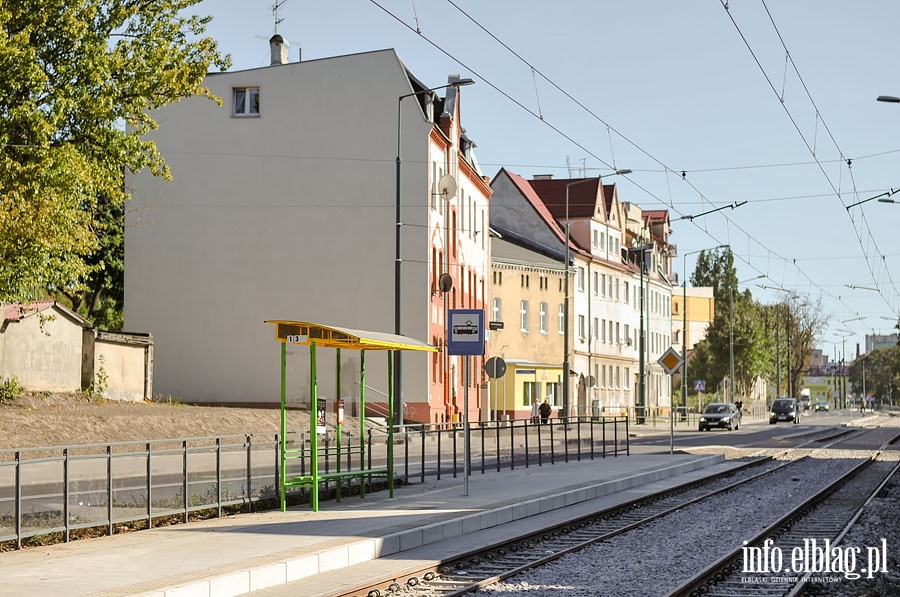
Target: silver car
722, 415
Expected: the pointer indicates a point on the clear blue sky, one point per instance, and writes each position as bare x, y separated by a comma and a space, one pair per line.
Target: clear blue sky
667, 87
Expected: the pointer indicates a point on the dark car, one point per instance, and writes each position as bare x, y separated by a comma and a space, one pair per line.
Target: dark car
723, 415
821, 406
784, 409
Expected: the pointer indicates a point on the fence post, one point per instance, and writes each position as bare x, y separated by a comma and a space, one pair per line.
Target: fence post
109, 490
406, 454
249, 473
66, 492
219, 477
439, 432
280, 492
149, 488
423, 453
539, 446
454, 451
512, 446
552, 443
482, 449
497, 428
627, 441
18, 500
603, 427
184, 479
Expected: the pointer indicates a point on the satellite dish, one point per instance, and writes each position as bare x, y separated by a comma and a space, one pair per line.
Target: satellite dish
445, 282
447, 186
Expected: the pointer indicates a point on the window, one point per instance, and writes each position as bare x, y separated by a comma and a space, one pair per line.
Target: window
581, 331
246, 101
596, 283
618, 337
603, 329
596, 329
603, 284
581, 279
497, 310
543, 318
529, 392
523, 316
553, 393
562, 319
627, 298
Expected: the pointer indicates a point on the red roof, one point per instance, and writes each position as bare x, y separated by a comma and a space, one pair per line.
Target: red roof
582, 196
656, 215
16, 311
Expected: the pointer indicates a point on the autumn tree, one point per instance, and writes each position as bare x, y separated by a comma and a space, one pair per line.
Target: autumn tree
79, 79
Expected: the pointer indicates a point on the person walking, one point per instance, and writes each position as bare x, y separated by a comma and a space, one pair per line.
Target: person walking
545, 412
535, 411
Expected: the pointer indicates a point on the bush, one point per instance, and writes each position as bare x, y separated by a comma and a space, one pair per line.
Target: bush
10, 390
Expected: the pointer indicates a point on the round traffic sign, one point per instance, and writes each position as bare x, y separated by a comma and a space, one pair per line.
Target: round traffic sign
495, 367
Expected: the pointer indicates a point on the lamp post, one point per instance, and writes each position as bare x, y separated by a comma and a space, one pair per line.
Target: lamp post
641, 383
398, 384
731, 332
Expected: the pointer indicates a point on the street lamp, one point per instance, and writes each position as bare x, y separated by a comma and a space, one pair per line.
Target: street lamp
641, 383
684, 324
398, 384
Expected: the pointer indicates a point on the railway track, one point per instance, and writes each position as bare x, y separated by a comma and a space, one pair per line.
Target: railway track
484, 567
818, 523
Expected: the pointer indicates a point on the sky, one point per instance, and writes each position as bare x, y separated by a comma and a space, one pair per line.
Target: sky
762, 110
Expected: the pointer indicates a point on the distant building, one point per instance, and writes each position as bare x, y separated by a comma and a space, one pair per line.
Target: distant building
876, 341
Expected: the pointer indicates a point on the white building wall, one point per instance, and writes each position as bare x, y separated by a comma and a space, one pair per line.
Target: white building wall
286, 216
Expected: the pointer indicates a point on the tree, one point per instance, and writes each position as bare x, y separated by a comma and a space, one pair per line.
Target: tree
79, 81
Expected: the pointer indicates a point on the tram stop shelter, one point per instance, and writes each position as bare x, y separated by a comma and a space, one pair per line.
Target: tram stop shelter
317, 335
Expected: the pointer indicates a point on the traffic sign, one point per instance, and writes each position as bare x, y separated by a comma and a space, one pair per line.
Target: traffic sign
699, 385
670, 360
495, 367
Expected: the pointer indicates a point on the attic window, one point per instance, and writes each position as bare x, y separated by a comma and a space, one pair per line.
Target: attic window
246, 101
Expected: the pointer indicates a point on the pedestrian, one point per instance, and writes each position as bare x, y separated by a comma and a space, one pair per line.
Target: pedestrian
545, 412
739, 403
535, 411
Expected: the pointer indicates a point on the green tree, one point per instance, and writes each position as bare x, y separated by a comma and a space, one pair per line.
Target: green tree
78, 82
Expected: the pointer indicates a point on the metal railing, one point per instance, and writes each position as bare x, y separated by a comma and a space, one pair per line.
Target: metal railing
126, 485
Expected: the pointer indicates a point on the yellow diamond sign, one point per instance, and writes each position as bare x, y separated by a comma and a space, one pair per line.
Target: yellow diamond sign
671, 361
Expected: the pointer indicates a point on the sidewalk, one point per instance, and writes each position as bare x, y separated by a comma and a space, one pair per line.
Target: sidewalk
253, 551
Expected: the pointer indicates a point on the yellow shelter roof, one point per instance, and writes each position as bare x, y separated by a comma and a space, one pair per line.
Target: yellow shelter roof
306, 333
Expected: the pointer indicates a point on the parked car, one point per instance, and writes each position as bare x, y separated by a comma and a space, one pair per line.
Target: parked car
723, 415
784, 409
821, 406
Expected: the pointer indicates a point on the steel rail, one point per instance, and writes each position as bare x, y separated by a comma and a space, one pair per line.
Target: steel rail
446, 579
726, 567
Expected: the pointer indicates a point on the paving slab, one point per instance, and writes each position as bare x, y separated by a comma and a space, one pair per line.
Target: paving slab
250, 552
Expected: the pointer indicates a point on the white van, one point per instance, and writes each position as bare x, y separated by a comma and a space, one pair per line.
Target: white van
804, 399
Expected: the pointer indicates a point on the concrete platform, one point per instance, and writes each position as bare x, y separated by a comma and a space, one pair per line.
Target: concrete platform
265, 551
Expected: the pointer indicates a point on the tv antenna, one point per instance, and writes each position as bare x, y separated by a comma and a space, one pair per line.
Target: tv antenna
278, 4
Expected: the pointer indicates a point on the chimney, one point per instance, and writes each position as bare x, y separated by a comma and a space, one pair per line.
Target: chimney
279, 50
542, 177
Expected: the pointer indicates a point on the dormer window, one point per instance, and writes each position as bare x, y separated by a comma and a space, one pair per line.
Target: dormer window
246, 101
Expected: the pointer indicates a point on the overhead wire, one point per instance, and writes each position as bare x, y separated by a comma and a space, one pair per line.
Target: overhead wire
542, 118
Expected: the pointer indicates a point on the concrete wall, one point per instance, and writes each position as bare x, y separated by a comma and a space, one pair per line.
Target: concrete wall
42, 355
127, 363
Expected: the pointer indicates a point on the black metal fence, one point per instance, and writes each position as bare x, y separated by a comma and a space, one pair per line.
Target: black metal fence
112, 487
